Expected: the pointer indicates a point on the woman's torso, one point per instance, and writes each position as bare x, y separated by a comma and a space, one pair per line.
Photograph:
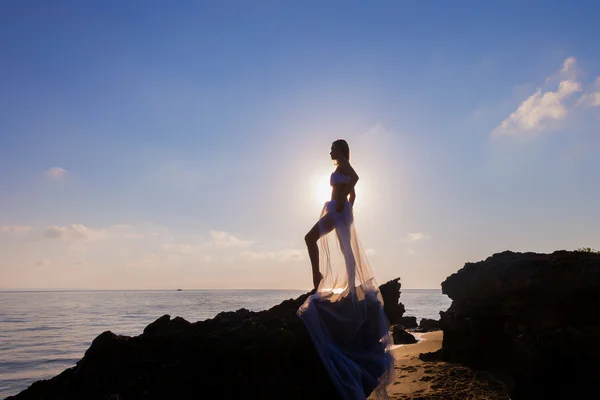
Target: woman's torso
338, 182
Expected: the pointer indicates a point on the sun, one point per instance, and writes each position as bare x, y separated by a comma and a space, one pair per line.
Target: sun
322, 189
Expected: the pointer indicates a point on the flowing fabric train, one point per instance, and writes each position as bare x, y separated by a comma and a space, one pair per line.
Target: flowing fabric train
345, 315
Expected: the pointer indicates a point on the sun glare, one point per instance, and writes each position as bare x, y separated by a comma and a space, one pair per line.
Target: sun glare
322, 189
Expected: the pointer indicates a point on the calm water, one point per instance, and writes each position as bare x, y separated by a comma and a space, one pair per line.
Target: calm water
43, 333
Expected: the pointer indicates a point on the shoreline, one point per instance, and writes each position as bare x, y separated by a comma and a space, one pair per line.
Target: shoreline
429, 380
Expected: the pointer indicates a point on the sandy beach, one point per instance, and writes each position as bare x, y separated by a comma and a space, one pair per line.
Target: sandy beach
416, 379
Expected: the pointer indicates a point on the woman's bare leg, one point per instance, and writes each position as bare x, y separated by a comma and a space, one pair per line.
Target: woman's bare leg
311, 239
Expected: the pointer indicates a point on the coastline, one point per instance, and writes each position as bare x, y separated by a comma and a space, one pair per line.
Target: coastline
429, 380
502, 334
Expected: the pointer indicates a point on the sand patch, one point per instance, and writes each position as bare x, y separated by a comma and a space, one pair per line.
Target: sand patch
419, 380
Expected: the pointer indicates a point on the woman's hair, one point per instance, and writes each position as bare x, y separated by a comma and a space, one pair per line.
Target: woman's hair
344, 148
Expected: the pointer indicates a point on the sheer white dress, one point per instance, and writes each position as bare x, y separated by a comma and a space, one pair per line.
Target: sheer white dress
345, 315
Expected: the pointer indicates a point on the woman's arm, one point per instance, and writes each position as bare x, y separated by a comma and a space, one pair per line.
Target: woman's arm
347, 169
353, 179
352, 197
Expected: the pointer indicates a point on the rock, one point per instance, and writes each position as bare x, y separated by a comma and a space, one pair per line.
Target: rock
400, 336
164, 325
533, 320
233, 355
240, 354
428, 325
390, 292
408, 322
432, 356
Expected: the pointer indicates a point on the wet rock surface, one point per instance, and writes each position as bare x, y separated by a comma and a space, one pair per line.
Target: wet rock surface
400, 336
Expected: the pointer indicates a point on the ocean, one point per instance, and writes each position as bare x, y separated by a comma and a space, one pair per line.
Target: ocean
42, 333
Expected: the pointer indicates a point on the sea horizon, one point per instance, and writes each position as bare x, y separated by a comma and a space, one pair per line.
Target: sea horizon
43, 332
163, 290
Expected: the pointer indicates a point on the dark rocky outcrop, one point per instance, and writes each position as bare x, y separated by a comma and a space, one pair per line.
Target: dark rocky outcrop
432, 356
239, 354
390, 292
400, 336
428, 325
408, 322
533, 320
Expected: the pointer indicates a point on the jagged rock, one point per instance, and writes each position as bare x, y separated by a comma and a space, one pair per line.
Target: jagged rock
533, 320
428, 325
432, 356
239, 354
400, 336
408, 322
390, 292
165, 325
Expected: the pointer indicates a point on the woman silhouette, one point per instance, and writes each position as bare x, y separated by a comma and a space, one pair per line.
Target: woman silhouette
337, 213
345, 315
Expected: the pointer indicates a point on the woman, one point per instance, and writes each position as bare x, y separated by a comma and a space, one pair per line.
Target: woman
345, 315
337, 212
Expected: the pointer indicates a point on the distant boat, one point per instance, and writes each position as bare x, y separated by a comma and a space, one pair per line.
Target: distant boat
179, 290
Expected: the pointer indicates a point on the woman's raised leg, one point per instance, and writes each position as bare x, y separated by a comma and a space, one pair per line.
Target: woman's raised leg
322, 227
311, 239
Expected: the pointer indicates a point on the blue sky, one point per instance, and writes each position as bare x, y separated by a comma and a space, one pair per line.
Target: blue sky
153, 145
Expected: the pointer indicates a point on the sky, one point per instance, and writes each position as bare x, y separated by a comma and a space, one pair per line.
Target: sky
162, 145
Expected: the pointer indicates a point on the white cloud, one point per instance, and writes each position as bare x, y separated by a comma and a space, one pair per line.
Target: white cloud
591, 99
414, 237
538, 110
370, 252
74, 232
568, 65
410, 252
85, 233
186, 250
224, 239
284, 255
545, 110
56, 173
224, 248
15, 229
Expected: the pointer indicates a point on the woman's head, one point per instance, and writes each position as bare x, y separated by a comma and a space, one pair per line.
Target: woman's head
340, 149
